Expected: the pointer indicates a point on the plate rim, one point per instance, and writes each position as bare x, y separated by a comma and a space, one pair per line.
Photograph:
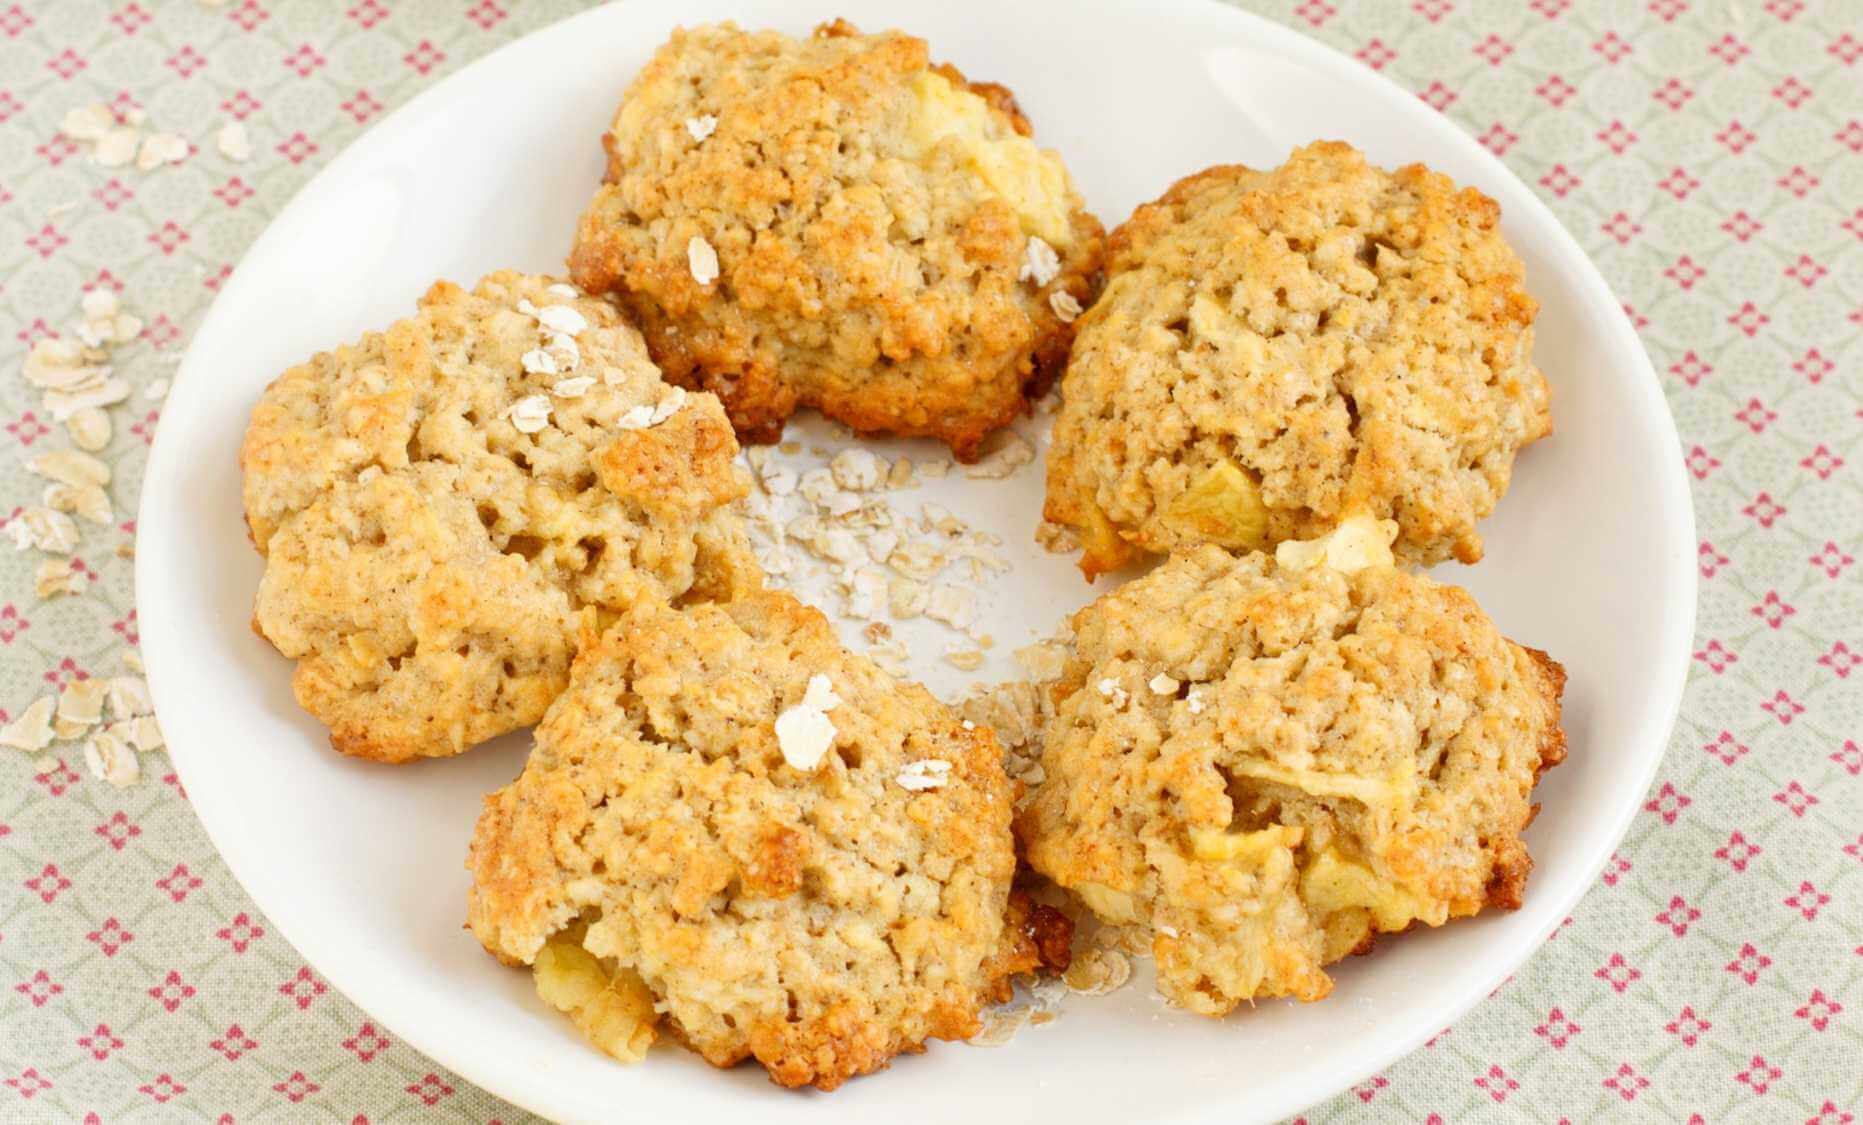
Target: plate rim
159, 632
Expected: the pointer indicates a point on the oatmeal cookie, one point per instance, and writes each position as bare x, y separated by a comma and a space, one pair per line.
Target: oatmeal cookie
442, 503
798, 858
1268, 762
837, 222
1278, 350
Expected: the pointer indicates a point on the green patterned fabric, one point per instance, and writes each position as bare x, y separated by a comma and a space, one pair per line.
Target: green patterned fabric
1709, 155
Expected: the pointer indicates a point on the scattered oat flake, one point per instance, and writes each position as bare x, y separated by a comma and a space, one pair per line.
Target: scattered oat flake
537, 361
85, 500
672, 399
562, 318
924, 774
142, 731
128, 697
232, 141
57, 576
44, 529
857, 470
1162, 684
1194, 701
890, 656
574, 387
804, 732
1096, 972
1110, 688
963, 657
88, 122
69, 466
564, 351
953, 605
161, 148
82, 701
117, 147
779, 480
1065, 305
32, 730
866, 595
99, 304
999, 1026
702, 260
63, 403
1040, 264
530, 414
906, 598
110, 758
89, 429
702, 126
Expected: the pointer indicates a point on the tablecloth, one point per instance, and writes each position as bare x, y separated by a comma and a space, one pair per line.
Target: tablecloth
1708, 155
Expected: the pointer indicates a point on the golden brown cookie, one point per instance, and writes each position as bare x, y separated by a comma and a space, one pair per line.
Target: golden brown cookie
441, 503
1278, 350
1268, 762
797, 858
837, 222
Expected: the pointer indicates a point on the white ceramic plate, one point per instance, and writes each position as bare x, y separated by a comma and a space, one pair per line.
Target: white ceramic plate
1590, 557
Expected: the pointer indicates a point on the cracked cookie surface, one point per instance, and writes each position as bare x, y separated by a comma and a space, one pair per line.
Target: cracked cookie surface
1275, 351
440, 504
821, 917
837, 222
1269, 764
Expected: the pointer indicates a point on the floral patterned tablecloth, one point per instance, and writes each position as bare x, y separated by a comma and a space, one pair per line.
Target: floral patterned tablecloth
1709, 155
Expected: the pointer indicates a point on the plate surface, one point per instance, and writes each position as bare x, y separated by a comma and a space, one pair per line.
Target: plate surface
1590, 557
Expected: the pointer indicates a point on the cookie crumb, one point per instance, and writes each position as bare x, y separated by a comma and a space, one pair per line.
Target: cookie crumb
1011, 454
